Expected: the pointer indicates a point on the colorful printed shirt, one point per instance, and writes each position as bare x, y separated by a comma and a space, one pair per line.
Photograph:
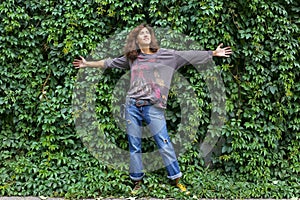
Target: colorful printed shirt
151, 74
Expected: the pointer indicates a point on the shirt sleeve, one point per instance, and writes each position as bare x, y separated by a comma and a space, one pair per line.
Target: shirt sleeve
120, 62
192, 57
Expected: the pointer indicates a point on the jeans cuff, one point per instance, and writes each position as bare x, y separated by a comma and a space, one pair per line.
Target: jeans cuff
175, 176
136, 178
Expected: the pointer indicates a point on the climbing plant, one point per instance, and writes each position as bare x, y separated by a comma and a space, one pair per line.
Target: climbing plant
42, 153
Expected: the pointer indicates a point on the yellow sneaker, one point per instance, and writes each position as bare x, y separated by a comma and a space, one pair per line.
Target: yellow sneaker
137, 187
182, 188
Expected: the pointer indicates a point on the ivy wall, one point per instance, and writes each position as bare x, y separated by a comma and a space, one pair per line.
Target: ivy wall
41, 152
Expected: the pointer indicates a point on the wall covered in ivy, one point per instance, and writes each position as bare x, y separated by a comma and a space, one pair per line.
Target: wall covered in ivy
42, 152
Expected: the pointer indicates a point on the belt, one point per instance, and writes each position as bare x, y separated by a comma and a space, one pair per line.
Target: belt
140, 102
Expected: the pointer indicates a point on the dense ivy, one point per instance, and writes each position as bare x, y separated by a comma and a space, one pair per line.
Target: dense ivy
41, 152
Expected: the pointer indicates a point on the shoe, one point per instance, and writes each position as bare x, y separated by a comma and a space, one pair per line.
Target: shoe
137, 187
182, 188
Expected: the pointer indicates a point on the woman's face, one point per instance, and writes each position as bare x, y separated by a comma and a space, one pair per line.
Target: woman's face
144, 38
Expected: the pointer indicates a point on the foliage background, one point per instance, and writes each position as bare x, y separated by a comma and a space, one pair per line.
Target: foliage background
41, 154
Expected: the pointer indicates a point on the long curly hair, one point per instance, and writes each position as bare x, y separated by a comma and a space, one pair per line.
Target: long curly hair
131, 49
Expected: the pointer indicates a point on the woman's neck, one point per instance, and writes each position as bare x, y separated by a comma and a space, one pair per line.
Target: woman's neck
146, 50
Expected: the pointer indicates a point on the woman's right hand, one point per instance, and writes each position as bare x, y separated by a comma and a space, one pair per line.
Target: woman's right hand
80, 63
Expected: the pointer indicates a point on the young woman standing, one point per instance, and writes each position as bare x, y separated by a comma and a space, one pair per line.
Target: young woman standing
152, 69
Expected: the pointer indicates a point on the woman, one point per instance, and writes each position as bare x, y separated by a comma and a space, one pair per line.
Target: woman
152, 69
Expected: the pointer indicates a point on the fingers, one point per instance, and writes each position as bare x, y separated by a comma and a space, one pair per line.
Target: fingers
225, 48
78, 63
228, 51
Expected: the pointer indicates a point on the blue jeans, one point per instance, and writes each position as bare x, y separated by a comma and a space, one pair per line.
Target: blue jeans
155, 120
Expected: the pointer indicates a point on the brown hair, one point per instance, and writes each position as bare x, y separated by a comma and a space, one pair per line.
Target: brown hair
131, 48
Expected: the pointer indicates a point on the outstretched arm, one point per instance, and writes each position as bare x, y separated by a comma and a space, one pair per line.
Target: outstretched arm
81, 63
222, 52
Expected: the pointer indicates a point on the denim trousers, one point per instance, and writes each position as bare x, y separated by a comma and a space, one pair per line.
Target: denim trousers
155, 120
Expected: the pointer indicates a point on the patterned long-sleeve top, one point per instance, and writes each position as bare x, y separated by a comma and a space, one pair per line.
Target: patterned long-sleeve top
151, 74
